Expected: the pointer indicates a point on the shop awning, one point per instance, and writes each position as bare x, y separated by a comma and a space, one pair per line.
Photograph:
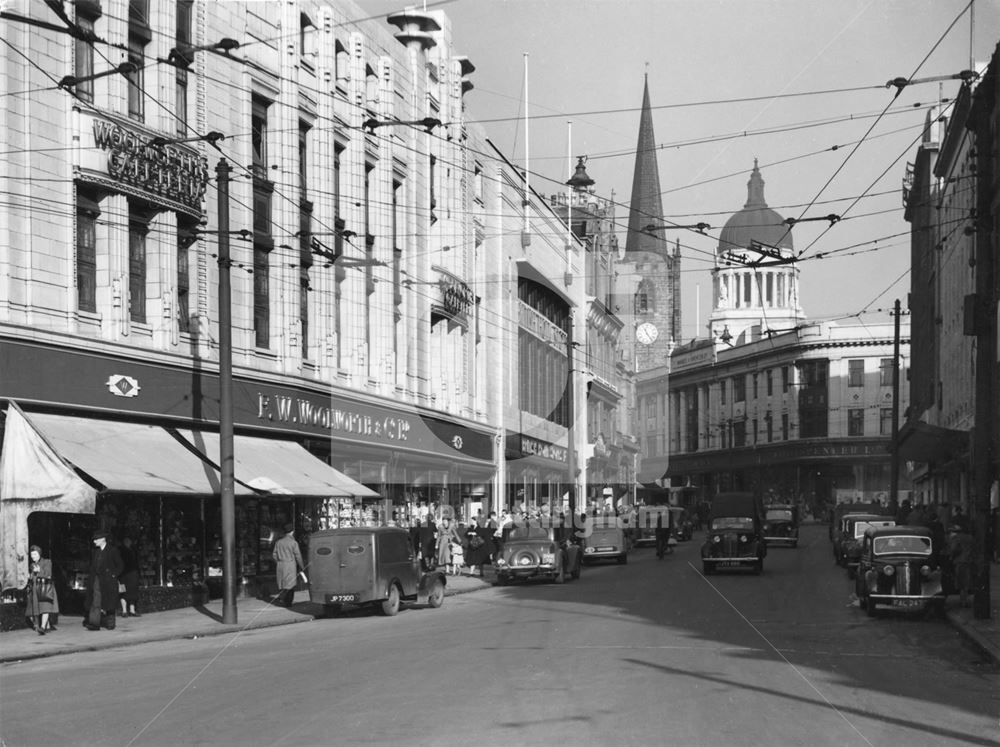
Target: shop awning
129, 457
923, 442
281, 467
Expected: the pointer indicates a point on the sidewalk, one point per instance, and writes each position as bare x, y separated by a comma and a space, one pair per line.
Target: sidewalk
187, 622
985, 634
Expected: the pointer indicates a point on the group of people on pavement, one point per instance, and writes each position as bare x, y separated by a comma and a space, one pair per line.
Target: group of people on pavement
953, 544
442, 542
112, 580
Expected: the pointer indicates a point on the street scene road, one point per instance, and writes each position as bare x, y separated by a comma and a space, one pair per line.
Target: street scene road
651, 652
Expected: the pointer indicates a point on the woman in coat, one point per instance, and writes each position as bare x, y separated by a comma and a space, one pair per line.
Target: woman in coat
446, 534
39, 606
480, 543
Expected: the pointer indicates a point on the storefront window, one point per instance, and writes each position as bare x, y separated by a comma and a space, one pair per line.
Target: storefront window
183, 542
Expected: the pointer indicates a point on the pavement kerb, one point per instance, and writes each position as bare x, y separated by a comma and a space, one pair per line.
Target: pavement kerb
303, 612
986, 646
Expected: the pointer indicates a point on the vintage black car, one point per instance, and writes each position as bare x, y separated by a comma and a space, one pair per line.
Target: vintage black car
849, 525
604, 539
854, 533
534, 552
781, 525
898, 569
735, 537
373, 566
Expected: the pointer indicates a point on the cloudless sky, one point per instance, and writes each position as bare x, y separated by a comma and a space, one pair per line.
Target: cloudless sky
586, 62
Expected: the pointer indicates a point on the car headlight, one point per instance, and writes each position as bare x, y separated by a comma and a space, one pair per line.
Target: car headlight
501, 561
888, 570
716, 538
743, 538
925, 570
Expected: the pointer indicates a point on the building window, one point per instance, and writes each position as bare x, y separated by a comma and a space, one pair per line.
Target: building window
261, 308
186, 236
432, 189
139, 35
306, 36
258, 136
305, 265
886, 373
182, 61
740, 433
785, 383
784, 426
856, 422
83, 62
755, 382
397, 270
747, 289
856, 372
87, 212
813, 423
754, 427
770, 382
739, 388
769, 421
722, 392
885, 421
138, 228
769, 289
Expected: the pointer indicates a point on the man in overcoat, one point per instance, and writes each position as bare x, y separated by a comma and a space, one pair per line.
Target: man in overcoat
288, 558
101, 600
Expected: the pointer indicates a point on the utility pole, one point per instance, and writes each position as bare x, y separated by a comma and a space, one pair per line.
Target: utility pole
894, 462
227, 490
570, 426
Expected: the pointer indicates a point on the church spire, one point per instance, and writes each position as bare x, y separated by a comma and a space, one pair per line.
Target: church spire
646, 207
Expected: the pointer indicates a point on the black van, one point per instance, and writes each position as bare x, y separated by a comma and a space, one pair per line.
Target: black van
369, 566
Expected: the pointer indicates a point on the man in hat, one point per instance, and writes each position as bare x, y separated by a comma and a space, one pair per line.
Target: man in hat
289, 560
101, 600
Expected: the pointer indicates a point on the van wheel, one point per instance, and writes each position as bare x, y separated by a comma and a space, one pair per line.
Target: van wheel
391, 605
436, 597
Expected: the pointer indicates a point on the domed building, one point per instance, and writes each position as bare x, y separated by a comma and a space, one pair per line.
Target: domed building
749, 300
794, 411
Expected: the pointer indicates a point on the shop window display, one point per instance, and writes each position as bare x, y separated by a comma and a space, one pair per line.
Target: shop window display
183, 542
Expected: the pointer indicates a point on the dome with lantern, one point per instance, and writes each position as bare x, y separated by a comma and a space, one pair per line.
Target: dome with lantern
755, 222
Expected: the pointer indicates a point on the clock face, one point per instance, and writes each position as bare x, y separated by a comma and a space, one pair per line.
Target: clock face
647, 333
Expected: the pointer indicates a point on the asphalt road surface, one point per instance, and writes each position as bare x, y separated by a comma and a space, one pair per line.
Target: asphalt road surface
651, 652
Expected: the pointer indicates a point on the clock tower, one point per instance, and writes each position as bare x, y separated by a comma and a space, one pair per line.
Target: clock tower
649, 291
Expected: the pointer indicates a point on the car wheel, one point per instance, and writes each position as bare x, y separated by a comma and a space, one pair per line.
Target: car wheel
436, 596
502, 579
390, 606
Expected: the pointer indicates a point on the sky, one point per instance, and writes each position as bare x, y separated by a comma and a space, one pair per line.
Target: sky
821, 149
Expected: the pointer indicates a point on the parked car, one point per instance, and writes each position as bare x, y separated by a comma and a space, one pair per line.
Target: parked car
853, 537
781, 525
534, 552
735, 537
845, 533
645, 523
604, 540
373, 566
898, 569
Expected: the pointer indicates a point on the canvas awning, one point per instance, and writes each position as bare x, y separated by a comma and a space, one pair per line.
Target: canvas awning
280, 467
130, 457
923, 442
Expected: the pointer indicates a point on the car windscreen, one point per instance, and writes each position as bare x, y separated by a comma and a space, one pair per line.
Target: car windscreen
529, 533
863, 526
891, 544
779, 515
731, 522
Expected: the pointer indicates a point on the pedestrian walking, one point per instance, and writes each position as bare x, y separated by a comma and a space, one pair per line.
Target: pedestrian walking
480, 543
960, 551
129, 580
101, 599
447, 536
427, 534
41, 600
288, 557
662, 534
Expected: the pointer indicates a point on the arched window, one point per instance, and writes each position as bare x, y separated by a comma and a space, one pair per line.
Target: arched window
645, 298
